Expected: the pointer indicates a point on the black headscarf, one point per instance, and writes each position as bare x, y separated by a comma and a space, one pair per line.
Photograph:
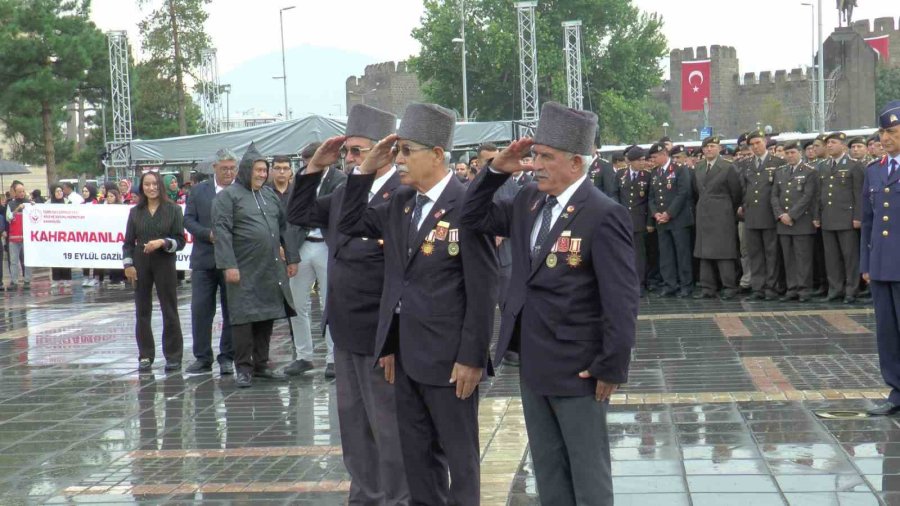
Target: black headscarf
92, 193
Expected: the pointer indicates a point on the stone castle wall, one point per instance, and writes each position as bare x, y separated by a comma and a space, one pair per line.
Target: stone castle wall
394, 85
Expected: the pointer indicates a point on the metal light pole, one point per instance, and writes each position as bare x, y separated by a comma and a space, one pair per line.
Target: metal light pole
226, 89
821, 74
283, 66
461, 40
666, 128
812, 22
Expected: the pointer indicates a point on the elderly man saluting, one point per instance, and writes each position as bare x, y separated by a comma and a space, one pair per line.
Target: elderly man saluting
436, 311
572, 305
250, 227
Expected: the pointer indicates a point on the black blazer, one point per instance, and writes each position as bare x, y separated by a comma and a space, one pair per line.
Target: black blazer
447, 299
333, 179
198, 221
581, 313
604, 177
635, 196
355, 264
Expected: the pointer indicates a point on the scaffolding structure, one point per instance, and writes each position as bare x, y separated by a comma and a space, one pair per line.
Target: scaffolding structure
118, 149
572, 34
528, 64
210, 92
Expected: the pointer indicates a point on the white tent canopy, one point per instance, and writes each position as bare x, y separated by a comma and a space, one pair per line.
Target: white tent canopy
286, 137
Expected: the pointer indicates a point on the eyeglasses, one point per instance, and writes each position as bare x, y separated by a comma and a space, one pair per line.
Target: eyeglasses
406, 150
355, 151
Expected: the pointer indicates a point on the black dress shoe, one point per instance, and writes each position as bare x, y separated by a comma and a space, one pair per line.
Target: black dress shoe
849, 300
683, 294
887, 408
145, 364
243, 379
788, 296
198, 367
172, 366
298, 367
832, 298
329, 371
728, 294
758, 296
511, 358
666, 293
268, 373
226, 367
802, 298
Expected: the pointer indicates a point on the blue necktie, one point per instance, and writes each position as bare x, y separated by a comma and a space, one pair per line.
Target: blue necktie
546, 218
893, 168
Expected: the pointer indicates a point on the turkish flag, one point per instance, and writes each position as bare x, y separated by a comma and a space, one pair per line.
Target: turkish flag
882, 46
694, 84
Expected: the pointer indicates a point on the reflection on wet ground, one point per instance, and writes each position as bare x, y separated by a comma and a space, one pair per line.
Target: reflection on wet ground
719, 411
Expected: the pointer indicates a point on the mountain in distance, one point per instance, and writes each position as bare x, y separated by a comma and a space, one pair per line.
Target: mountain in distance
316, 81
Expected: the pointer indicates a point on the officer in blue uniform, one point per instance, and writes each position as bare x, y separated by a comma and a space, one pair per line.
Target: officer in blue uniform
878, 252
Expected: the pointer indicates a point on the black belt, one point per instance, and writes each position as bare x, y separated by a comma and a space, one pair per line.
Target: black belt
314, 239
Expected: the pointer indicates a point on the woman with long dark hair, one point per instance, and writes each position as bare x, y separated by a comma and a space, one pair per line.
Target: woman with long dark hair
59, 276
155, 231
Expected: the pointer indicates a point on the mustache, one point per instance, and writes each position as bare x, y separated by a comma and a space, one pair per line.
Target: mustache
402, 168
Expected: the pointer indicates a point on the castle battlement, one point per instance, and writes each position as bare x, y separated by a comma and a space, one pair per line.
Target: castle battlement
882, 26
703, 53
767, 77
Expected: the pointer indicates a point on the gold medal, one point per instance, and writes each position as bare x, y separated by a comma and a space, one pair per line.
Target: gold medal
427, 248
641, 193
573, 260
453, 249
551, 260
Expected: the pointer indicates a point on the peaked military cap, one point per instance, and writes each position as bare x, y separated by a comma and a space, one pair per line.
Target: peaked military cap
635, 153
890, 116
822, 137
657, 148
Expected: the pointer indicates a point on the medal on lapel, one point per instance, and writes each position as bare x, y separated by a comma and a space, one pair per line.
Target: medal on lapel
438, 214
574, 258
668, 186
440, 231
381, 242
551, 260
453, 247
428, 245
562, 243
386, 195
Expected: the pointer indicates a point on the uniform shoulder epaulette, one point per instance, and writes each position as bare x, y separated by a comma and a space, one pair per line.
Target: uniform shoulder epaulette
880, 161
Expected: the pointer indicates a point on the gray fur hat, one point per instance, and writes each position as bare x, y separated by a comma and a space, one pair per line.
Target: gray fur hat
369, 122
565, 129
429, 125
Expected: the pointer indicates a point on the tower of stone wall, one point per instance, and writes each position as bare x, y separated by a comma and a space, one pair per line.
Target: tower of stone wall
395, 87
882, 26
723, 67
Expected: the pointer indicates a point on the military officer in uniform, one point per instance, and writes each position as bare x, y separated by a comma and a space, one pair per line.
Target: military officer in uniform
874, 147
633, 193
573, 303
759, 223
878, 251
671, 207
858, 150
437, 305
840, 217
603, 174
718, 188
794, 205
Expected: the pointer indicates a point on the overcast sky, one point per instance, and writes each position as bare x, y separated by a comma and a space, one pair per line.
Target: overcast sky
768, 35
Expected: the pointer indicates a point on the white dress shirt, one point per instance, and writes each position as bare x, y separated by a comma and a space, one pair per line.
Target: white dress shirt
562, 200
433, 195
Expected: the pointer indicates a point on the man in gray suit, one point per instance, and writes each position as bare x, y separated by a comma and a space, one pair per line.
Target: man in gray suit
313, 267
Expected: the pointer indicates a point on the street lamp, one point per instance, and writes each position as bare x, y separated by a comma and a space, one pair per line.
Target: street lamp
812, 20
283, 66
461, 40
666, 128
695, 132
226, 89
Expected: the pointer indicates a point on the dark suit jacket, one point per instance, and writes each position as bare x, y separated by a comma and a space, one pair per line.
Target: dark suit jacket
604, 177
355, 264
881, 211
508, 191
579, 315
198, 221
448, 300
331, 181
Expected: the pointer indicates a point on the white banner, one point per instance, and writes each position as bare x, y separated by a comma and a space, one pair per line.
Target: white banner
80, 236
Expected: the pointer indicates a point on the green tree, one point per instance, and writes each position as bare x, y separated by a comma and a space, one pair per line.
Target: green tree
772, 113
174, 37
155, 105
887, 86
622, 48
51, 54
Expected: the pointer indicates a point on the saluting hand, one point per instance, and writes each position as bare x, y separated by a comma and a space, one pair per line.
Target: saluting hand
382, 154
604, 389
327, 155
466, 379
509, 160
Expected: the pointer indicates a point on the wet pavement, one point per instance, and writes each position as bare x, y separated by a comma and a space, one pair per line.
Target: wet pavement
719, 410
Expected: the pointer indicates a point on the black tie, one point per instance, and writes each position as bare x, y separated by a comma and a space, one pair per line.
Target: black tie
421, 200
546, 218
893, 169
758, 163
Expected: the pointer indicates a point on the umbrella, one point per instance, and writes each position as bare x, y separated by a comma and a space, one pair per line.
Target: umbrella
9, 167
